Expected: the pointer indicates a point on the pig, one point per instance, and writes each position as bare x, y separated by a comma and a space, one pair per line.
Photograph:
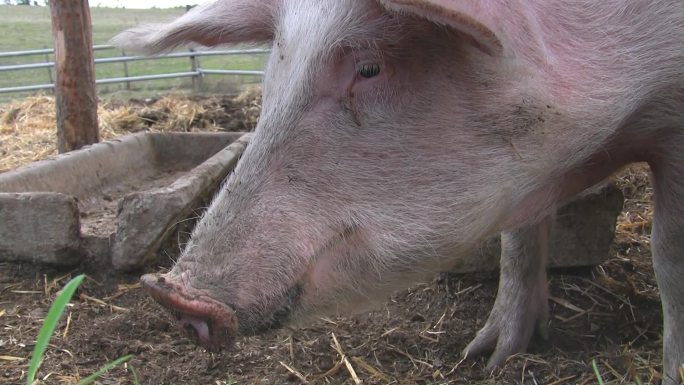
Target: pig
397, 135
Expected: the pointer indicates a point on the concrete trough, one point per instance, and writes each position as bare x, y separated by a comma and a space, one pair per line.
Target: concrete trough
113, 201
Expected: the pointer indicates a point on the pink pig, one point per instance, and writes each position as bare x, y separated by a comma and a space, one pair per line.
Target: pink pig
396, 135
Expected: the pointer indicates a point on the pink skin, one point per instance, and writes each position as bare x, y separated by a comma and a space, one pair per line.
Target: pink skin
211, 323
483, 117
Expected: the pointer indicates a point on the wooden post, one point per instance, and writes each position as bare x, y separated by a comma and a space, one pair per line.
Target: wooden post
125, 68
75, 92
196, 79
49, 70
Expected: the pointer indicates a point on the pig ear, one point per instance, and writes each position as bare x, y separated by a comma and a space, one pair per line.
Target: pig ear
221, 22
471, 17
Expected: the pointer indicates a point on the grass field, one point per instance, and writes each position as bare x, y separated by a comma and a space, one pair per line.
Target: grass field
26, 28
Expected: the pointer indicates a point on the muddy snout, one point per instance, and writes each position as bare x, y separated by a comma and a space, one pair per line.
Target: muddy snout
210, 323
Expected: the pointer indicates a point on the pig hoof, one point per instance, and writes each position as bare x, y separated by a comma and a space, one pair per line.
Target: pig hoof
509, 328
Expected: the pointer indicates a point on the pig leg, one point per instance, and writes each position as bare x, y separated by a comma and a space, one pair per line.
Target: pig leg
521, 305
667, 244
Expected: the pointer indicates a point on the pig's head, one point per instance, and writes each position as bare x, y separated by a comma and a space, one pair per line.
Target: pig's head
394, 136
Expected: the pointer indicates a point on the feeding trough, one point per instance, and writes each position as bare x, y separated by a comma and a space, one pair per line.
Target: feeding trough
113, 201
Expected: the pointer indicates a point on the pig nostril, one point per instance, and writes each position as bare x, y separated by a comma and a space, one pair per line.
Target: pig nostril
161, 279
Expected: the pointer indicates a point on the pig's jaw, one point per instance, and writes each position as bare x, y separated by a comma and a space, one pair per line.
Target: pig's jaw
313, 294
253, 323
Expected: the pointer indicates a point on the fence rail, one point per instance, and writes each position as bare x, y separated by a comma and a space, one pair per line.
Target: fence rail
196, 72
48, 51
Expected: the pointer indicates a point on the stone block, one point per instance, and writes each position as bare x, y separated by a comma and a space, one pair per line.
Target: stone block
39, 227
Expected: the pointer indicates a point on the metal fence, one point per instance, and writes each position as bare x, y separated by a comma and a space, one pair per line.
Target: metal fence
196, 71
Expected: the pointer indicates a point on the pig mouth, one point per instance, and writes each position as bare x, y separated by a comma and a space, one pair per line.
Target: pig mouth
210, 323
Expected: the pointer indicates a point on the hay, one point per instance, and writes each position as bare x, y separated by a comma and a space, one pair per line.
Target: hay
25, 134
636, 218
28, 132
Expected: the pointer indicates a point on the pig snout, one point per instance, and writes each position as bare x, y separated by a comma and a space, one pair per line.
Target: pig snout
210, 323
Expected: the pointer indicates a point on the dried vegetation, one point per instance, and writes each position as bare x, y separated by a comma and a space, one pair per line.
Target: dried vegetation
28, 133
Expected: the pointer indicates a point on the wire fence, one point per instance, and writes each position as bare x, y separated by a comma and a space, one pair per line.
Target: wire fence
195, 70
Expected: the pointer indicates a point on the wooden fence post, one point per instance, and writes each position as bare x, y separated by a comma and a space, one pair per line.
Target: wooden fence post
125, 68
75, 92
196, 79
49, 70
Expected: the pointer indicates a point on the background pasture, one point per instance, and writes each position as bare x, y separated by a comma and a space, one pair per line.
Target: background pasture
26, 28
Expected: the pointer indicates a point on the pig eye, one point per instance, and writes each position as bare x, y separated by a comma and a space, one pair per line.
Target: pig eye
369, 70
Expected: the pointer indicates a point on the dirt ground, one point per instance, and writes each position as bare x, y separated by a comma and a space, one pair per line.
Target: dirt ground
609, 313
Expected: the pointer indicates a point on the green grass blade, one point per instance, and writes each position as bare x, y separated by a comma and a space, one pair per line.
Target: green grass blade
596, 372
91, 378
136, 379
49, 325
